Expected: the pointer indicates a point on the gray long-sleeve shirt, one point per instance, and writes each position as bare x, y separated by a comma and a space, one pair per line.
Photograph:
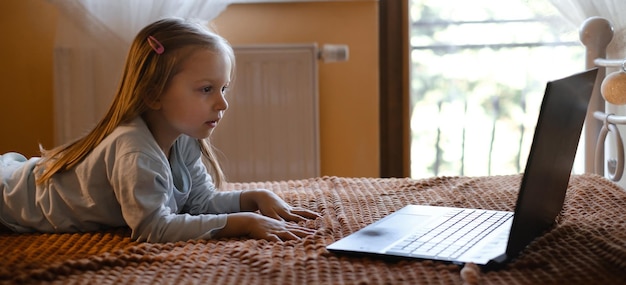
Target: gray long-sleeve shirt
125, 181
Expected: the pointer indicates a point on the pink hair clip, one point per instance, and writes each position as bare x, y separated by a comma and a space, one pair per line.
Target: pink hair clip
156, 45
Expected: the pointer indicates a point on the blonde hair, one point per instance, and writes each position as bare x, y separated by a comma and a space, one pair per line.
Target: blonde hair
146, 76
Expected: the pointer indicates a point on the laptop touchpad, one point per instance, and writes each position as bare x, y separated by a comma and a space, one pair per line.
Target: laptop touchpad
379, 235
399, 224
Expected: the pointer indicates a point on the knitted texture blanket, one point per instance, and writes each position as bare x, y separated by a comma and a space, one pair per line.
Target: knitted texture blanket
586, 246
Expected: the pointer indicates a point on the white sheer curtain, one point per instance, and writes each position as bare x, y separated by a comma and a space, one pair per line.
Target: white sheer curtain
576, 12
92, 39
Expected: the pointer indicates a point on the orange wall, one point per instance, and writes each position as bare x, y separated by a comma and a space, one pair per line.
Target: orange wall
348, 90
349, 123
26, 111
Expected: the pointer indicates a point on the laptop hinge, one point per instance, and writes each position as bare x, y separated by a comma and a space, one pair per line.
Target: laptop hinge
496, 263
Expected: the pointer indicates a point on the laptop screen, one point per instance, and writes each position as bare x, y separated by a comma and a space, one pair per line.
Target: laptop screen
551, 158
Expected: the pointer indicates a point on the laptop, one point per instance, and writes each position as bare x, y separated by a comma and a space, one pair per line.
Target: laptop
486, 237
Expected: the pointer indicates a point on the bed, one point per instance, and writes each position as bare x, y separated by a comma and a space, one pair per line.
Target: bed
587, 245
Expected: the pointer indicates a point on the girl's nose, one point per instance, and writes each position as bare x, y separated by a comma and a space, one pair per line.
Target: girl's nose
222, 104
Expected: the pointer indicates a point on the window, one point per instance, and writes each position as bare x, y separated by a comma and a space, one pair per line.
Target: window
478, 74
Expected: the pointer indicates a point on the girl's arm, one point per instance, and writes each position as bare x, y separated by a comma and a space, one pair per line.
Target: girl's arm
274, 223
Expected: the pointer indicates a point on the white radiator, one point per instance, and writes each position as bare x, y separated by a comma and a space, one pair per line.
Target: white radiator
271, 129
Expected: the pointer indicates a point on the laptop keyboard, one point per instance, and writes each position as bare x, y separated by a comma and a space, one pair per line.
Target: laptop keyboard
453, 235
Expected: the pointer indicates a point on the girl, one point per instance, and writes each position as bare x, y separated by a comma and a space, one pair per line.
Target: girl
141, 166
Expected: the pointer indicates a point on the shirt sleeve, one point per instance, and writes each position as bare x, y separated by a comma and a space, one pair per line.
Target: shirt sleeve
144, 188
204, 197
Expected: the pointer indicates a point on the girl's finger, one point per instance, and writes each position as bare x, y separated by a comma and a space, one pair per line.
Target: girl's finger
287, 235
306, 213
302, 232
296, 227
272, 237
274, 215
293, 217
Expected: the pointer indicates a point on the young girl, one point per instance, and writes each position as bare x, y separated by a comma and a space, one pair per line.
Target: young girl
141, 166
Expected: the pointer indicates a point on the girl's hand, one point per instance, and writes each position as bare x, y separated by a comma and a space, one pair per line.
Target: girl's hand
262, 227
270, 205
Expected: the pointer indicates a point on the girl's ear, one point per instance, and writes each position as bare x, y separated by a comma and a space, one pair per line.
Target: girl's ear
152, 101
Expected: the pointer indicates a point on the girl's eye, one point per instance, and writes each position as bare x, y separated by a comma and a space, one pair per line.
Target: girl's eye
224, 89
207, 89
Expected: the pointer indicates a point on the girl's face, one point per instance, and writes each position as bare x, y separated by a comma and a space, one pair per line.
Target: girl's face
194, 100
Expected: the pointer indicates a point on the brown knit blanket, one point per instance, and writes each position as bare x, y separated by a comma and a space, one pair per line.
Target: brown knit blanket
588, 245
